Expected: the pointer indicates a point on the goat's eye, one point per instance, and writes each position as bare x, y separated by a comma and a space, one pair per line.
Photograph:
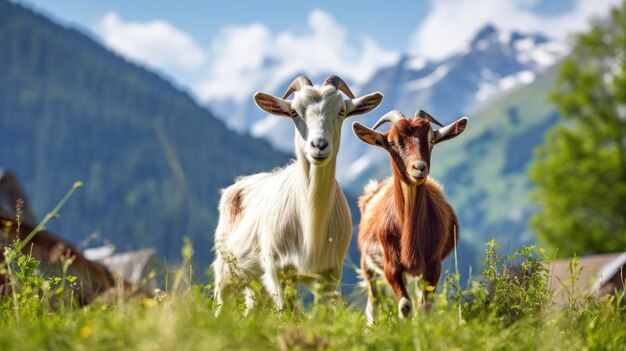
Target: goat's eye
391, 143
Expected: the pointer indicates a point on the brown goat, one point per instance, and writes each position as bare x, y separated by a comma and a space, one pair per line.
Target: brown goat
407, 226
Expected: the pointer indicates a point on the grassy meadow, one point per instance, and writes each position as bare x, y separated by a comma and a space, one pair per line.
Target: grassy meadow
499, 311
184, 321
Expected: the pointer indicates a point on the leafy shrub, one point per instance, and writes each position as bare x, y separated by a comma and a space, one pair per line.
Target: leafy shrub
515, 286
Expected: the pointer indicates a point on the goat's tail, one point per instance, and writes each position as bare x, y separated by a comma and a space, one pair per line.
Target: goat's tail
230, 213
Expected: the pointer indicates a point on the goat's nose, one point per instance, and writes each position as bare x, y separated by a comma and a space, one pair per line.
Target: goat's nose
419, 166
319, 143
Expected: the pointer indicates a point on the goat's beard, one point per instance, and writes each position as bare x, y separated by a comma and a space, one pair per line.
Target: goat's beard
416, 181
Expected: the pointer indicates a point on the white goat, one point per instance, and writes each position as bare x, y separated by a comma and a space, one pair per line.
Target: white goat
295, 217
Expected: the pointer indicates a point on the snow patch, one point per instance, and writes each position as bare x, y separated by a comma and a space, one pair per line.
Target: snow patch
504, 36
415, 63
514, 80
482, 44
507, 82
485, 91
526, 77
276, 130
357, 167
490, 88
543, 55
524, 44
429, 80
543, 58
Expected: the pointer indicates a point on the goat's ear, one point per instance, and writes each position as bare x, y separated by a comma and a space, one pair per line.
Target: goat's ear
450, 131
363, 104
274, 105
369, 136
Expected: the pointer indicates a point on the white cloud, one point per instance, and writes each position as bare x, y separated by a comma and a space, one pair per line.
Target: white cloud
451, 23
249, 57
246, 57
156, 43
238, 55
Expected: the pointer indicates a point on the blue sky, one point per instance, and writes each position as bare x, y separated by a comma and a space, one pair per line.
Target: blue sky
225, 49
203, 19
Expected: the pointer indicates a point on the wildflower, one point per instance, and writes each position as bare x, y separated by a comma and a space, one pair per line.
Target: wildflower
148, 302
85, 331
159, 295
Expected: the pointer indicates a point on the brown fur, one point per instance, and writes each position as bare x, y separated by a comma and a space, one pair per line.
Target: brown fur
407, 226
415, 242
236, 207
370, 191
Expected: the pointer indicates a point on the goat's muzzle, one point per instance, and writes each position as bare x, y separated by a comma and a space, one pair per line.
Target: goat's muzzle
418, 171
318, 151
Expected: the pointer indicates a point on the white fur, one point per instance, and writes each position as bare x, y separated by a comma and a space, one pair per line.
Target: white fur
404, 305
295, 217
370, 311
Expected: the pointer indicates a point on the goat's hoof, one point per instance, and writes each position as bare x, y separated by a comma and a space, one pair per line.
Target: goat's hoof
404, 307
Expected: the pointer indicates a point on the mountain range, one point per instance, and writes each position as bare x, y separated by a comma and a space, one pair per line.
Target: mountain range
152, 160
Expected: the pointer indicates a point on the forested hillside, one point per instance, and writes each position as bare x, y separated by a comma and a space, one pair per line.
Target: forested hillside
151, 159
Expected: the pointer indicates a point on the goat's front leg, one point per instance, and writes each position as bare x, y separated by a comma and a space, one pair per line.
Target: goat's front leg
432, 279
326, 285
419, 291
223, 284
372, 293
395, 278
250, 299
272, 284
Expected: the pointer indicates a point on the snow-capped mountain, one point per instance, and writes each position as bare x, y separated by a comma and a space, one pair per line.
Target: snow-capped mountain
492, 63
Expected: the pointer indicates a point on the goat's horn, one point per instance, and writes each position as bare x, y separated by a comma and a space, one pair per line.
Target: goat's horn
423, 114
339, 84
391, 117
296, 85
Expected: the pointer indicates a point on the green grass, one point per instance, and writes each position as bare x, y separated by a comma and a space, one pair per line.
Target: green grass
184, 321
516, 315
500, 312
